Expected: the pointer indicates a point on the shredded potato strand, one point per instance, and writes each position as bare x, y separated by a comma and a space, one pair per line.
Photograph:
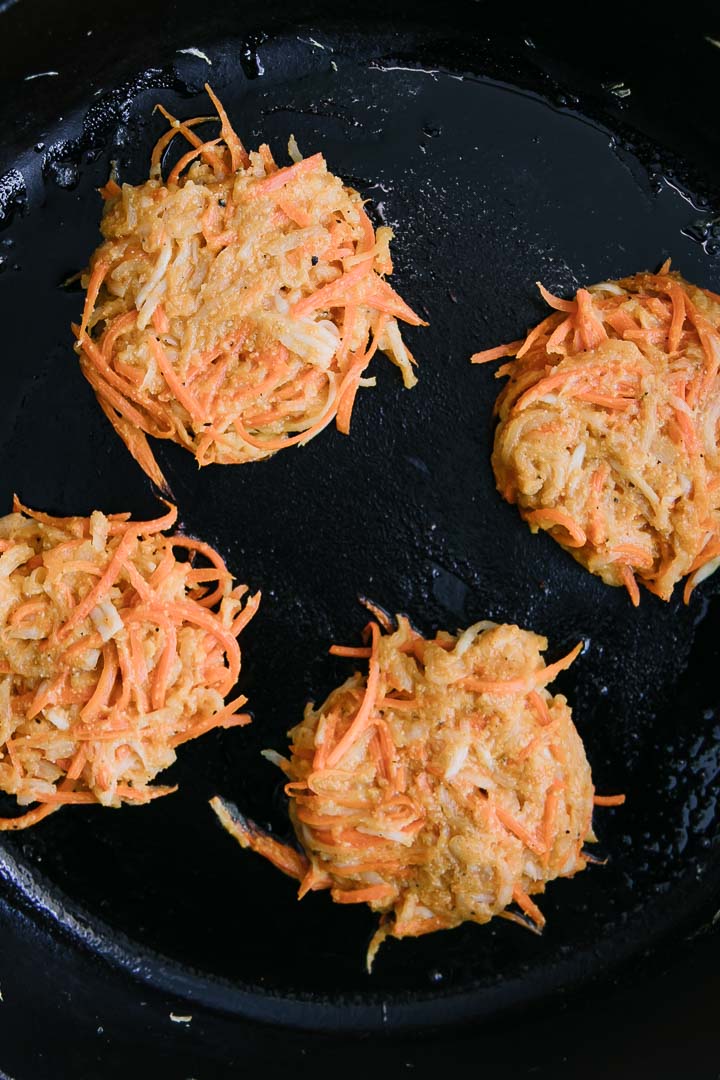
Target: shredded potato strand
234, 306
112, 653
608, 430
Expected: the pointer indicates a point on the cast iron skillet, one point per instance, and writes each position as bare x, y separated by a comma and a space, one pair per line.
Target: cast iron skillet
502, 150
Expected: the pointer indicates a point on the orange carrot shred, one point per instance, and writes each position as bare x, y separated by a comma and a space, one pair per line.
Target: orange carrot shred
363, 714
609, 800
523, 901
488, 355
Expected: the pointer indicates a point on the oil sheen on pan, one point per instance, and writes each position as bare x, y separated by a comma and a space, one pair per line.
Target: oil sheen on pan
488, 189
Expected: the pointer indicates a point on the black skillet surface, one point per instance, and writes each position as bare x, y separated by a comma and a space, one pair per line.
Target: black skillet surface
502, 151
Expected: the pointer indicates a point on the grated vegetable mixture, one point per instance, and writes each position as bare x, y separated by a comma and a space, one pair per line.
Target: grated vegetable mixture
113, 652
234, 305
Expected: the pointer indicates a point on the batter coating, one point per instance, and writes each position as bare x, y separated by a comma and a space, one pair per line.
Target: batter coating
607, 433
446, 785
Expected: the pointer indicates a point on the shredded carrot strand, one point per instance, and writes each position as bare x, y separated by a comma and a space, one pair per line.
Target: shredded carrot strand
238, 155
110, 190
83, 609
363, 714
488, 355
628, 579
576, 535
347, 650
285, 858
539, 704
285, 176
186, 159
609, 800
363, 896
555, 301
523, 901
518, 829
183, 396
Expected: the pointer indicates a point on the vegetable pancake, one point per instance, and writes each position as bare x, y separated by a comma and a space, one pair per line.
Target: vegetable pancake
446, 785
234, 306
607, 433
113, 652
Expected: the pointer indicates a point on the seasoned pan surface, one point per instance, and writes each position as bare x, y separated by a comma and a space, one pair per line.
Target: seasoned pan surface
493, 176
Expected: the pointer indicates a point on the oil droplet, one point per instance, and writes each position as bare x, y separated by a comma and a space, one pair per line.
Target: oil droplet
618, 89
706, 233
64, 173
250, 61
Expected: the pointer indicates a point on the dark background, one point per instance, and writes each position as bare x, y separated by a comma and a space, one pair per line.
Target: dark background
68, 1015
67, 1010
